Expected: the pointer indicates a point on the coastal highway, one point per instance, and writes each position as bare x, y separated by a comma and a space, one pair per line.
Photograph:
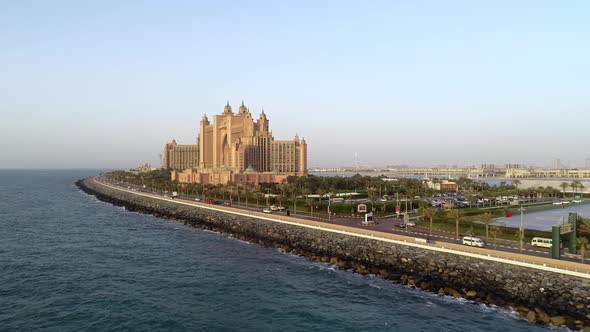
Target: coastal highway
384, 231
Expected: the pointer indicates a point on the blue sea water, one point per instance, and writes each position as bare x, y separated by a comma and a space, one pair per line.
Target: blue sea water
69, 262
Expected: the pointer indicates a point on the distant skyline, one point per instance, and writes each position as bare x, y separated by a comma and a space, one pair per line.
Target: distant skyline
105, 84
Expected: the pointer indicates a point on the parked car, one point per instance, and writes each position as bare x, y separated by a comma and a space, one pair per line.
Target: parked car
197, 199
267, 210
226, 203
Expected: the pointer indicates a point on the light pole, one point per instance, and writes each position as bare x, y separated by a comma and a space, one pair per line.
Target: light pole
329, 207
521, 227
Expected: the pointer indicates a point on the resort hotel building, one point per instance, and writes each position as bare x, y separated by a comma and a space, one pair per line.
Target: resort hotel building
234, 147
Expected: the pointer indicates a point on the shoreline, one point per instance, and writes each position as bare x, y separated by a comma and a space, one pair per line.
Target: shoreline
461, 277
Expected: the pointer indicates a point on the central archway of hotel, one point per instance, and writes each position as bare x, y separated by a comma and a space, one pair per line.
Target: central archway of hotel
225, 152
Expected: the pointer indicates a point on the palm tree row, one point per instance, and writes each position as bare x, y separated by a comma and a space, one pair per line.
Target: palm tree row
575, 185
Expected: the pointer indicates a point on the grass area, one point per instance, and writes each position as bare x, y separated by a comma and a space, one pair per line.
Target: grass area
505, 233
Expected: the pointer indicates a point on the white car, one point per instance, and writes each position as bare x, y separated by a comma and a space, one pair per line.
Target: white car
197, 199
557, 203
577, 201
267, 210
472, 241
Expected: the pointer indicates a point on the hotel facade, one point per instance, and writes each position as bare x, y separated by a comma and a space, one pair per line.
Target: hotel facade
234, 147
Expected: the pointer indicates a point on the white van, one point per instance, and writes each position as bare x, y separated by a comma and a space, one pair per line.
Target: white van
472, 241
541, 242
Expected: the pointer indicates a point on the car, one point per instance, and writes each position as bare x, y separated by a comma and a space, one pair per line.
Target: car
577, 201
267, 210
197, 199
410, 224
226, 203
541, 242
472, 241
557, 203
402, 225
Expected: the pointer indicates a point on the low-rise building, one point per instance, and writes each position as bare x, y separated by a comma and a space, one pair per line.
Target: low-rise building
443, 185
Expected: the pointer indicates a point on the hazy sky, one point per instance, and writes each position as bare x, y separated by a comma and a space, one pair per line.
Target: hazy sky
107, 83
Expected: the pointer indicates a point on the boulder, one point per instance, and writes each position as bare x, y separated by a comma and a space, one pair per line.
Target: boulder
542, 316
470, 294
531, 316
522, 310
557, 320
452, 292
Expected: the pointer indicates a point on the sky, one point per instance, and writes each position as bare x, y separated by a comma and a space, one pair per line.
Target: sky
93, 84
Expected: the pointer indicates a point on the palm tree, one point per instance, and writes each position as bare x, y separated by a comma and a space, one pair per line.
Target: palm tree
574, 186
372, 192
309, 200
584, 228
487, 219
583, 243
564, 186
427, 212
516, 183
295, 190
496, 231
457, 215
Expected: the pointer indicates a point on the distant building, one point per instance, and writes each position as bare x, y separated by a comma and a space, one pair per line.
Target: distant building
236, 148
180, 156
443, 185
548, 173
144, 169
512, 166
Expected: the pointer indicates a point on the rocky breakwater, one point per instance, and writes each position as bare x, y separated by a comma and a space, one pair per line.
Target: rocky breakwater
540, 297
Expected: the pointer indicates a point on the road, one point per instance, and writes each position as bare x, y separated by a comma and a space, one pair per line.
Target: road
382, 226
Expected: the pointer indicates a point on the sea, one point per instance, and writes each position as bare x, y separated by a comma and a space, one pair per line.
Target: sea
69, 262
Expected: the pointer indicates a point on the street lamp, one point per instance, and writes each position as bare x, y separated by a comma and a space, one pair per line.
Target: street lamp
521, 228
329, 207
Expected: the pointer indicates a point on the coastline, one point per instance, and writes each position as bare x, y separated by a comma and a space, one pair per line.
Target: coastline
541, 297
